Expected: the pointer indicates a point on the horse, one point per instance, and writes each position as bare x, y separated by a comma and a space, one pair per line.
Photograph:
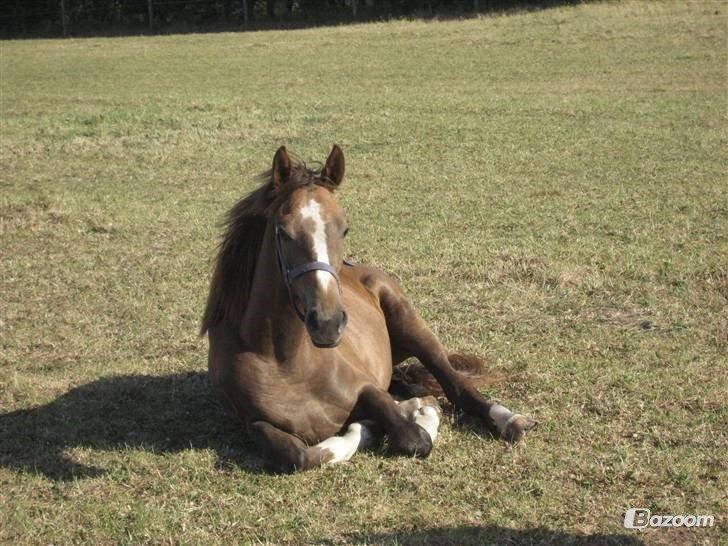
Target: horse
302, 343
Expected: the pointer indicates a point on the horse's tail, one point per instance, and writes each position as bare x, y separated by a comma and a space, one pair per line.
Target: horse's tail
412, 378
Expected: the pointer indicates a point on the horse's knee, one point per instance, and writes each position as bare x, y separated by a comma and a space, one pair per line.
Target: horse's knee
283, 452
297, 460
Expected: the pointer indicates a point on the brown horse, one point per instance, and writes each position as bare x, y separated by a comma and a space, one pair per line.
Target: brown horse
303, 344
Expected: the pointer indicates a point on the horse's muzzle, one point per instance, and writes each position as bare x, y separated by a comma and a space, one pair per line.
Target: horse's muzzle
325, 333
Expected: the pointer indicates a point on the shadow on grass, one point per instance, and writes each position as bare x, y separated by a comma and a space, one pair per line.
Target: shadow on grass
158, 414
493, 534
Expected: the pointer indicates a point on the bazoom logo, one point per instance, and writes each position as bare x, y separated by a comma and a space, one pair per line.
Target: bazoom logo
640, 518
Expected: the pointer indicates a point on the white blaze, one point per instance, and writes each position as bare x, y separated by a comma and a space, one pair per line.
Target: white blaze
312, 211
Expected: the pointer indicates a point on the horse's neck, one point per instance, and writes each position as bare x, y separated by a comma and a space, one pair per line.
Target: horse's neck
269, 316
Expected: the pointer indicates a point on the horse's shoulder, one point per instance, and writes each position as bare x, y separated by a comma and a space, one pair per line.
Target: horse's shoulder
373, 279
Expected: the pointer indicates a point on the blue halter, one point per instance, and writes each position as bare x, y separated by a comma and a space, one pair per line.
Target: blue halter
290, 274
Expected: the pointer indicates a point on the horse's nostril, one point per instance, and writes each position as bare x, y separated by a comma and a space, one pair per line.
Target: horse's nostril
312, 319
344, 319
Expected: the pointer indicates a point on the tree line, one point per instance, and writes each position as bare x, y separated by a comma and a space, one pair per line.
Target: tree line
72, 17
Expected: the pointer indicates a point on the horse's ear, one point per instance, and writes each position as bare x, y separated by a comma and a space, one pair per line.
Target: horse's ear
334, 168
281, 168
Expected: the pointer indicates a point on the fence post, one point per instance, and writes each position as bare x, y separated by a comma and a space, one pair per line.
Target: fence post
150, 13
244, 3
63, 18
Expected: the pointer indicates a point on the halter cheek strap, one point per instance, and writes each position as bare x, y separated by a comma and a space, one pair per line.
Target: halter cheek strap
289, 275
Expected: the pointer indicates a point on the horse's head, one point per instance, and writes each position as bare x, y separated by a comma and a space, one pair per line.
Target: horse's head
310, 229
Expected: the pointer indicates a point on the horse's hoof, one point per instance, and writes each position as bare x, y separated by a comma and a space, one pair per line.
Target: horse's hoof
412, 441
411, 408
517, 427
317, 456
431, 401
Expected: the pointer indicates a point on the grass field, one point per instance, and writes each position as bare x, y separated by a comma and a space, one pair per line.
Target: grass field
550, 188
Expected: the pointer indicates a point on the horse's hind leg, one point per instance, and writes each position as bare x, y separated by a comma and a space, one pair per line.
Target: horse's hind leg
286, 453
410, 336
424, 411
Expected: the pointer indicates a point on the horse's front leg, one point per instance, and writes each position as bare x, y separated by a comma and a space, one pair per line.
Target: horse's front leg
285, 452
411, 336
411, 426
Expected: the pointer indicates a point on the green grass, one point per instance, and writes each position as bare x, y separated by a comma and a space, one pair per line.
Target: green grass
549, 187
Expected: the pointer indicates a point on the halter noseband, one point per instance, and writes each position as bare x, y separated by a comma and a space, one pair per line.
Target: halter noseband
289, 275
